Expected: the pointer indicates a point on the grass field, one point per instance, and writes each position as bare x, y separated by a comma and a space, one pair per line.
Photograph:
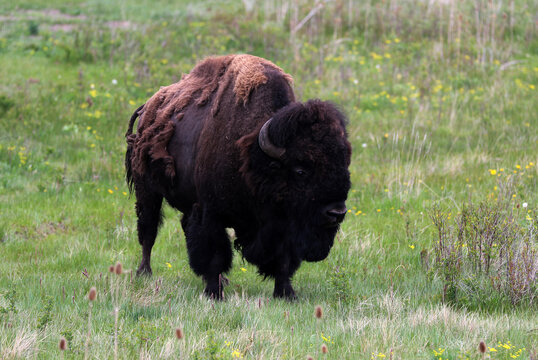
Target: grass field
441, 98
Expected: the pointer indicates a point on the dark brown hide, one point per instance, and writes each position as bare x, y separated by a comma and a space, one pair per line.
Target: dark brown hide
197, 147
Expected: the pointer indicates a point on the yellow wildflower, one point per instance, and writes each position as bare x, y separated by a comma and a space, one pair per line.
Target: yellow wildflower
237, 354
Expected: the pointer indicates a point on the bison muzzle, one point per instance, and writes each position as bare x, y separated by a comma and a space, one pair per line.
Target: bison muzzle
230, 147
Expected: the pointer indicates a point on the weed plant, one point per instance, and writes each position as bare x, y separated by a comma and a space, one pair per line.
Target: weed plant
487, 254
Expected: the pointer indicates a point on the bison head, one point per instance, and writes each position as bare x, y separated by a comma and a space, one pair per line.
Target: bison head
296, 166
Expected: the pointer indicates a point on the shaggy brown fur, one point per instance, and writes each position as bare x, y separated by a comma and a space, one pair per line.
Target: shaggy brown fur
212, 75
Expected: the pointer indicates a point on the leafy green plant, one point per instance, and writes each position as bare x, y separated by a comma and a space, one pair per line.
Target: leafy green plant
339, 283
146, 333
46, 313
33, 28
212, 350
5, 104
11, 309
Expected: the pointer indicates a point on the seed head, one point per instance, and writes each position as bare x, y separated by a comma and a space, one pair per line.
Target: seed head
62, 344
92, 294
318, 312
111, 268
118, 269
482, 347
308, 357
324, 349
179, 333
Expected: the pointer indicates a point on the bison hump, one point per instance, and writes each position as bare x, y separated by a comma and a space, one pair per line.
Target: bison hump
209, 81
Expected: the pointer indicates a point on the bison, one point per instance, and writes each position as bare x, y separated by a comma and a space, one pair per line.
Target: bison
230, 147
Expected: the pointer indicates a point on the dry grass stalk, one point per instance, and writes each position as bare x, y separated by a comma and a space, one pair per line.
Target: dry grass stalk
92, 295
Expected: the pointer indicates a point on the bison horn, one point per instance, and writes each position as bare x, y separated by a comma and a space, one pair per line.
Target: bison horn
266, 145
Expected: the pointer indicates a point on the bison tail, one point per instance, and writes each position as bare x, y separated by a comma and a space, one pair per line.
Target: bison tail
130, 137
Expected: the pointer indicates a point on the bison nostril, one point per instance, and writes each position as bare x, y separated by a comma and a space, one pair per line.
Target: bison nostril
336, 213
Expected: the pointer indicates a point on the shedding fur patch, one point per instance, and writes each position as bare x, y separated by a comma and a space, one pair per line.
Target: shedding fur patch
212, 75
248, 73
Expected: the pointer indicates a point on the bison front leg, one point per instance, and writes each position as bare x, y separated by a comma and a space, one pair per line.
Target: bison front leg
148, 211
284, 267
209, 248
275, 259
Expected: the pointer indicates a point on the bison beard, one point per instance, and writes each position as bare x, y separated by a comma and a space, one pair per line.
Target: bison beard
229, 147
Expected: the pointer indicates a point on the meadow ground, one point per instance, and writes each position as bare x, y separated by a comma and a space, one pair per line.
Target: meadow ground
441, 99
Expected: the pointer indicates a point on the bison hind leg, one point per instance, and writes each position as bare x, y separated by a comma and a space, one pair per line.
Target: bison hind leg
148, 211
209, 249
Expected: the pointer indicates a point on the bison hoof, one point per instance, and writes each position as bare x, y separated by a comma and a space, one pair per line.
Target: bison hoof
285, 293
144, 270
214, 294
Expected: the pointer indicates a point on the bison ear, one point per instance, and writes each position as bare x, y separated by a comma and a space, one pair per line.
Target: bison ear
254, 162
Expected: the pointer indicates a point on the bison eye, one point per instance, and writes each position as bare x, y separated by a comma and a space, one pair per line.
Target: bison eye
300, 172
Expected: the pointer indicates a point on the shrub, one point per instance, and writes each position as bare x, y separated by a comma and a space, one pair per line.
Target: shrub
487, 253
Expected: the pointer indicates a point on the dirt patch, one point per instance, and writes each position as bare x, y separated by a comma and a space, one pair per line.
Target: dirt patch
112, 25
48, 14
61, 22
62, 27
53, 14
49, 228
119, 24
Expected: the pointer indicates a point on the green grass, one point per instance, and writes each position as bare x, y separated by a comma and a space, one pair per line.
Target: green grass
434, 105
